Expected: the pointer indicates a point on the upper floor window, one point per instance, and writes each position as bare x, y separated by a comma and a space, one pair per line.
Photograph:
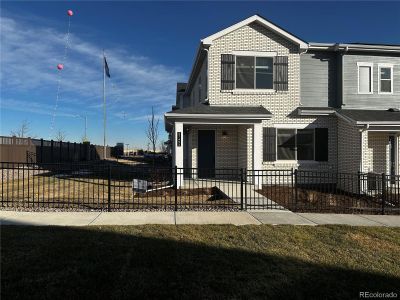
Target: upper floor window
365, 78
385, 80
254, 72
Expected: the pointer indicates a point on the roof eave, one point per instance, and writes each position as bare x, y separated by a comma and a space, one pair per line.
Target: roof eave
379, 123
218, 116
210, 39
353, 47
315, 112
367, 123
198, 60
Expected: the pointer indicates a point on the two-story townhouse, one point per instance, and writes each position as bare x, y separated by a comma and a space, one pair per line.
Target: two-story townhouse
260, 98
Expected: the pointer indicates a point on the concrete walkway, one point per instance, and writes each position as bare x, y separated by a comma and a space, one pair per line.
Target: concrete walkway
232, 190
252, 197
191, 217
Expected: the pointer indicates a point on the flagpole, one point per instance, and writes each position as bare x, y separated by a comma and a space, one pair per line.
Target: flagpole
104, 107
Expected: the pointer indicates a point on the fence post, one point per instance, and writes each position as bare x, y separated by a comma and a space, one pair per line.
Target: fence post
176, 187
41, 150
383, 192
68, 154
241, 188
60, 145
295, 190
359, 183
51, 150
109, 188
245, 189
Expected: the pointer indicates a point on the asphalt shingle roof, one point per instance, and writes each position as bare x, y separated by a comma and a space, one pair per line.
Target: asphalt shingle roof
223, 110
362, 115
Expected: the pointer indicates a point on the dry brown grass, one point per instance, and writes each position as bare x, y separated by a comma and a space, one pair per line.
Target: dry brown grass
51, 191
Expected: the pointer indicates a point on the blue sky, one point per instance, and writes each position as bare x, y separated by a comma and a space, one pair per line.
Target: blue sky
150, 46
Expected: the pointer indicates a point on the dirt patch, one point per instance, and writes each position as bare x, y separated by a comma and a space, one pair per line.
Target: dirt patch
309, 200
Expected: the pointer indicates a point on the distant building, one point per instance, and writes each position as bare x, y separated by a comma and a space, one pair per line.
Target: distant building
119, 149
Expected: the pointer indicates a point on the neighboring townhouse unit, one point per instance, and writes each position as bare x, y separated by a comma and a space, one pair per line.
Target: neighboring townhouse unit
260, 98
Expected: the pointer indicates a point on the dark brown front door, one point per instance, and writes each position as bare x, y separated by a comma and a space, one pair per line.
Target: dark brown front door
206, 153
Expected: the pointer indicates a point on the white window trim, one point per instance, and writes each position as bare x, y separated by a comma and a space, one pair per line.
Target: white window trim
297, 127
255, 53
390, 66
254, 90
365, 64
294, 126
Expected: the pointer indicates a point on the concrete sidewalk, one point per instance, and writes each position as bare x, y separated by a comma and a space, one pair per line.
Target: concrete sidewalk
274, 217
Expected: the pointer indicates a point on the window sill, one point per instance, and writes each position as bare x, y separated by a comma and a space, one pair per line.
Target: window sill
249, 92
282, 163
294, 162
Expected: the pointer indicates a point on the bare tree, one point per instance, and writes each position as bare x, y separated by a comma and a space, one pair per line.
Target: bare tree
60, 136
152, 132
84, 139
163, 147
23, 130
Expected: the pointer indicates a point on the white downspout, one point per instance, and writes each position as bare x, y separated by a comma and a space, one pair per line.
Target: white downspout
208, 77
304, 52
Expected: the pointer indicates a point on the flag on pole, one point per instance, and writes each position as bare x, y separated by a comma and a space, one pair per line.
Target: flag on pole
107, 70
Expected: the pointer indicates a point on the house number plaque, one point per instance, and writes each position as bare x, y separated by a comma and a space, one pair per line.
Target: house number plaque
179, 139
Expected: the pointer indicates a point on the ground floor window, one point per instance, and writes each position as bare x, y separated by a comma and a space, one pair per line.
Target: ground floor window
295, 144
286, 144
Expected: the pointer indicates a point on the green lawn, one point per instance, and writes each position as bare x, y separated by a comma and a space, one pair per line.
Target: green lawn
216, 261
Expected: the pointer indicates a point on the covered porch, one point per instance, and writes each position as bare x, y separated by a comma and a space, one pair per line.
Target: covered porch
380, 151
372, 139
216, 141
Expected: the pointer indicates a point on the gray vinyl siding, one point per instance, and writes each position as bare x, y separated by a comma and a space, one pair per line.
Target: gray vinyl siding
186, 101
339, 87
199, 89
318, 79
351, 98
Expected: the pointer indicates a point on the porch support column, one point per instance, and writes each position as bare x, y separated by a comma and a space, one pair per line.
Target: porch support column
257, 154
397, 154
178, 150
364, 166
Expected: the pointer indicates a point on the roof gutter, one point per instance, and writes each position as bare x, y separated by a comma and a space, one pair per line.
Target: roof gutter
218, 116
315, 112
353, 47
194, 67
378, 123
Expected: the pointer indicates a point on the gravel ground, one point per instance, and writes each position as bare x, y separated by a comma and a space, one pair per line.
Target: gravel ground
14, 174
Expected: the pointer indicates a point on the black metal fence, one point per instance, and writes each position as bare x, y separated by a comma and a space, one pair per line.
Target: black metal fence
325, 192
109, 185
